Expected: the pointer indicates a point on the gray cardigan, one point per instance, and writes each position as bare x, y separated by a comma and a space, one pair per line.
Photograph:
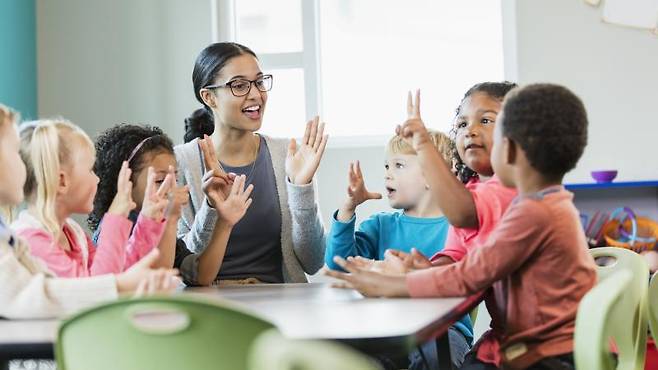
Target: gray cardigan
302, 232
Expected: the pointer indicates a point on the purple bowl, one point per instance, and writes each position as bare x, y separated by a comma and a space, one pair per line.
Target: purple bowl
604, 176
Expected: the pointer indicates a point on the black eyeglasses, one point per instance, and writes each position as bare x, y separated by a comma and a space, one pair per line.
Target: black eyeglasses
242, 87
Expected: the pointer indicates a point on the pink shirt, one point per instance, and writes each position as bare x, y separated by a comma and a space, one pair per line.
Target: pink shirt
539, 264
491, 200
113, 254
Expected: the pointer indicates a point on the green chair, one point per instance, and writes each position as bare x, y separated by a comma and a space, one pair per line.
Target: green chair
632, 308
158, 333
601, 317
272, 351
653, 306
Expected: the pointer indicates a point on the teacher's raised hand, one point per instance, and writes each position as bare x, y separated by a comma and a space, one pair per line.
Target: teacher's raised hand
303, 161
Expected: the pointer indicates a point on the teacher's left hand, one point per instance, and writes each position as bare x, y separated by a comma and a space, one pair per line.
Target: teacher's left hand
302, 162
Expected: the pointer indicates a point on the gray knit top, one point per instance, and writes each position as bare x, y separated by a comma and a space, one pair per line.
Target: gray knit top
302, 232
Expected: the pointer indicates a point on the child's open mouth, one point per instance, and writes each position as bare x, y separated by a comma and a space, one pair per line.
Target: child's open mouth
390, 191
252, 111
473, 147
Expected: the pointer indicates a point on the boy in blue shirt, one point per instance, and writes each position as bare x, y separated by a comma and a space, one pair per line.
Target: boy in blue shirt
420, 224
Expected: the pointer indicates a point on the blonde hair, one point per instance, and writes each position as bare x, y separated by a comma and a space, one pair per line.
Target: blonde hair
8, 116
51, 147
441, 141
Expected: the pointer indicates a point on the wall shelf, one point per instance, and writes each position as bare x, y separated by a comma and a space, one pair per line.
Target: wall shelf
613, 185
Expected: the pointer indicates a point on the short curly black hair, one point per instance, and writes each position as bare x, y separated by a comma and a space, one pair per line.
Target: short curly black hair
115, 145
495, 90
549, 122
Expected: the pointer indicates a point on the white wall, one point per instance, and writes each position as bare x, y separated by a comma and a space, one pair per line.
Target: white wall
612, 68
102, 63
105, 62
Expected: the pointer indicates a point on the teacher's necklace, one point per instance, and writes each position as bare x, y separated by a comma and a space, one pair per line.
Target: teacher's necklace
253, 164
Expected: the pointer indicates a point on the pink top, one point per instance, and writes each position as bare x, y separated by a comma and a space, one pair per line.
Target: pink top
112, 255
491, 200
538, 264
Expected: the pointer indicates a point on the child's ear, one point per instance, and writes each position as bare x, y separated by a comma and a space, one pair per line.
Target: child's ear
511, 149
63, 183
208, 97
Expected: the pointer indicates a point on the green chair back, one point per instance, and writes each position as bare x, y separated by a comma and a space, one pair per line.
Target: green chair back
158, 333
633, 307
653, 306
601, 317
272, 351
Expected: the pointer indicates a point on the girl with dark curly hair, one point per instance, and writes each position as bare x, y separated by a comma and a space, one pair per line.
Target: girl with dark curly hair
144, 147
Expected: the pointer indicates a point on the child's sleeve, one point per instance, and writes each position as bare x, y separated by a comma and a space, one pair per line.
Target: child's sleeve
491, 200
145, 236
110, 254
519, 234
58, 261
31, 294
343, 241
454, 248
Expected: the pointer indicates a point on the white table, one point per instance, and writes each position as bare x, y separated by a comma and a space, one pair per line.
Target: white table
305, 311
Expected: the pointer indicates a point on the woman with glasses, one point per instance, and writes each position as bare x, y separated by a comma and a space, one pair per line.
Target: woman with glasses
281, 237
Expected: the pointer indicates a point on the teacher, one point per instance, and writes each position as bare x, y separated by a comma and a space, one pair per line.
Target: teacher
281, 237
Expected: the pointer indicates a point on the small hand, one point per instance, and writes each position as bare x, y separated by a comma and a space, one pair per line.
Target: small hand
156, 198
123, 202
413, 130
143, 279
368, 283
179, 197
303, 162
356, 191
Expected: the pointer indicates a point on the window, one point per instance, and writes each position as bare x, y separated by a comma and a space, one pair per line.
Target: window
354, 61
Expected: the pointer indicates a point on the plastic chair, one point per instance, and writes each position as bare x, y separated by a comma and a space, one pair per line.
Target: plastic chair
653, 306
601, 317
158, 333
633, 307
272, 351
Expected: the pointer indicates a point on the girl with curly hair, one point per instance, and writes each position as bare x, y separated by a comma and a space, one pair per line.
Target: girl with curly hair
144, 146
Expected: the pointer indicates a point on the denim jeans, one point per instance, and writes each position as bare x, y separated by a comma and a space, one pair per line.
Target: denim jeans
429, 359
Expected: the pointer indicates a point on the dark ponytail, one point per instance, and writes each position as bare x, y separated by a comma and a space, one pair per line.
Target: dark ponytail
208, 65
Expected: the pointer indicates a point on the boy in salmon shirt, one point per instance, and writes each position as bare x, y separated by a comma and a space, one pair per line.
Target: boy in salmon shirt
537, 258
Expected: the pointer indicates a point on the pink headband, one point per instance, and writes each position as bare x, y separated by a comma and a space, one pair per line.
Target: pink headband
138, 147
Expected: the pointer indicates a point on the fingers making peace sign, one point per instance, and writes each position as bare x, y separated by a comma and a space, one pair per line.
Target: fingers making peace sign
413, 130
213, 166
156, 198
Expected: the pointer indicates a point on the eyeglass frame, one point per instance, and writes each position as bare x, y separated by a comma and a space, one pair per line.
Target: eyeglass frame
251, 82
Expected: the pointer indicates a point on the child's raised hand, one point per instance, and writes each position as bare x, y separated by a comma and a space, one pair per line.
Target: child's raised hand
356, 191
156, 198
236, 204
123, 202
413, 130
179, 197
